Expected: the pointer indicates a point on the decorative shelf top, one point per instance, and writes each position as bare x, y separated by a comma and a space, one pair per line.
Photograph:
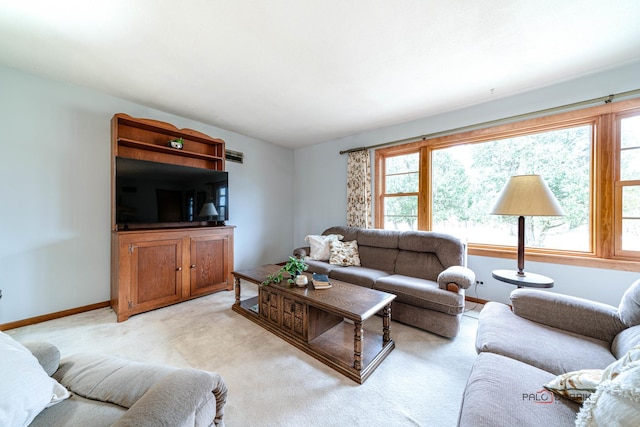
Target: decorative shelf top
166, 149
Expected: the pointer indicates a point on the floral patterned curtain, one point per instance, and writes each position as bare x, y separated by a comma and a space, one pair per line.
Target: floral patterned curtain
359, 189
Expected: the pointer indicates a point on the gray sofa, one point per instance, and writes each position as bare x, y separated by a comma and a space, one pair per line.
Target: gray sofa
425, 270
544, 335
106, 390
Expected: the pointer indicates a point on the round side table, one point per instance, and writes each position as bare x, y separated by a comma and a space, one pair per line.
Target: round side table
529, 280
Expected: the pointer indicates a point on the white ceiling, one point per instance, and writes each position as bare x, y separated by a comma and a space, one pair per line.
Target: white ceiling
299, 72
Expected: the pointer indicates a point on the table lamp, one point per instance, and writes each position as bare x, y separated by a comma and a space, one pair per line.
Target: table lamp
526, 195
209, 210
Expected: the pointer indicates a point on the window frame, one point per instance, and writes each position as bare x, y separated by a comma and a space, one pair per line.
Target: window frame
619, 185
605, 191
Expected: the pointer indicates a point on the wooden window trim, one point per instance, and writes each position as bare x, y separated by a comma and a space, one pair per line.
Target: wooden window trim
605, 232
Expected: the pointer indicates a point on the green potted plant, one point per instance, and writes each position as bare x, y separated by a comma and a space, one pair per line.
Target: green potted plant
176, 143
294, 266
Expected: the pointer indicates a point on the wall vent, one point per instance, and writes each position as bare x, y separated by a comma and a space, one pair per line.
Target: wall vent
234, 156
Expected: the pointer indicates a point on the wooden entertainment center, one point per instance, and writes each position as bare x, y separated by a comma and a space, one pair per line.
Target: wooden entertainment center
172, 262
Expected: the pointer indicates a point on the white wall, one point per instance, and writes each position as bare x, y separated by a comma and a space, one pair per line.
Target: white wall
55, 194
320, 180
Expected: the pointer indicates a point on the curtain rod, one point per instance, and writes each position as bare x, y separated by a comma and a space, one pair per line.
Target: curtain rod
606, 99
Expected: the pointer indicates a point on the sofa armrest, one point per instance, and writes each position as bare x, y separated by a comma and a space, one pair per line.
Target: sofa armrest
462, 277
47, 354
569, 313
301, 252
184, 397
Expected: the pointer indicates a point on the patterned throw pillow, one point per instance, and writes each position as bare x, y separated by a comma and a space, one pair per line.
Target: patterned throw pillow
576, 385
579, 385
344, 253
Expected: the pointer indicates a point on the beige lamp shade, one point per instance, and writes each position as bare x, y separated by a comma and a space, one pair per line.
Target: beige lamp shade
208, 209
527, 195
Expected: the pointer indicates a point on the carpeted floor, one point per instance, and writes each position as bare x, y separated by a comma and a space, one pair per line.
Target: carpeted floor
271, 383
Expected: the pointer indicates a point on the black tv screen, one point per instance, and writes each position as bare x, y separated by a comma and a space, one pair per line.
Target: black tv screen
157, 194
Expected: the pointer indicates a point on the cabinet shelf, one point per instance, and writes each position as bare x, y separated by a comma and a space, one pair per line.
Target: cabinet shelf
167, 150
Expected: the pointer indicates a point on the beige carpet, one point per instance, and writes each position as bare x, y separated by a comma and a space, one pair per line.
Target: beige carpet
270, 382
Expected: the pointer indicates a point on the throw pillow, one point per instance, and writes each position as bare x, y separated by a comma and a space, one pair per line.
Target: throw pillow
319, 245
616, 402
614, 369
344, 253
25, 388
576, 385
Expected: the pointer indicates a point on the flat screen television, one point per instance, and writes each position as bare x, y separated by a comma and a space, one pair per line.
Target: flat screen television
156, 195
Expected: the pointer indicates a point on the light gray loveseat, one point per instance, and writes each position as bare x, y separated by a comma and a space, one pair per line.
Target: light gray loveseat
416, 266
107, 390
543, 336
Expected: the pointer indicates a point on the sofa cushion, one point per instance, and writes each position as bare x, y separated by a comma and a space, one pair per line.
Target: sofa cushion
448, 249
321, 267
579, 385
361, 276
79, 411
25, 388
344, 253
378, 238
554, 350
47, 354
378, 258
349, 233
625, 341
100, 377
424, 265
503, 392
629, 308
421, 293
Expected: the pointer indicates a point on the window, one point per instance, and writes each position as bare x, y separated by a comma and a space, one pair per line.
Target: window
628, 186
400, 201
589, 158
466, 180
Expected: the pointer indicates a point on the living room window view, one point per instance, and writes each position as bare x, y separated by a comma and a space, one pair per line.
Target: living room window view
299, 213
449, 184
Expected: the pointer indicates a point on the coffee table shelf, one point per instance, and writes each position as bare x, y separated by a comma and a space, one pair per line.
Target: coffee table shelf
326, 324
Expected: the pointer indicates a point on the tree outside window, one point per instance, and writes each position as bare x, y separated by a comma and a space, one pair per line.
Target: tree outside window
466, 181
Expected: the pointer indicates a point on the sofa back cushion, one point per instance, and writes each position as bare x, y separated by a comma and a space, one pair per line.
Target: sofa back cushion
625, 340
424, 265
448, 249
348, 233
629, 308
378, 258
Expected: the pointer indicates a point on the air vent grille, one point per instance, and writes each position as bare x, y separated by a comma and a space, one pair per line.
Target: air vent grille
234, 156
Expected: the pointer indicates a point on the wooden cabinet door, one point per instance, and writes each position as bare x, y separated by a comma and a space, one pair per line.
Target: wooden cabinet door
209, 264
156, 273
270, 305
294, 317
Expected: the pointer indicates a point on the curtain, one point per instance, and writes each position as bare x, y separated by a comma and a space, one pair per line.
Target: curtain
359, 189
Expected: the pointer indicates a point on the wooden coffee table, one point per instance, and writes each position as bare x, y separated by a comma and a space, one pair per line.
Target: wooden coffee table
325, 323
